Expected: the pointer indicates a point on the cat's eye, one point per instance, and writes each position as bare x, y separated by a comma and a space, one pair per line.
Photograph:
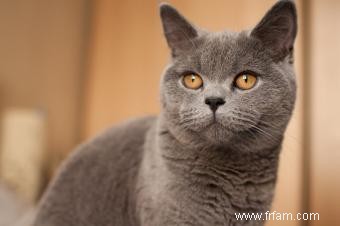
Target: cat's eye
245, 81
192, 81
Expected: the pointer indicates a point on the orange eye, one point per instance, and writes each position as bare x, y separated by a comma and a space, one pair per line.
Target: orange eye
192, 81
245, 81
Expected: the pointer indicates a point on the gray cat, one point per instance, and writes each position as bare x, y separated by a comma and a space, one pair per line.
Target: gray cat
212, 152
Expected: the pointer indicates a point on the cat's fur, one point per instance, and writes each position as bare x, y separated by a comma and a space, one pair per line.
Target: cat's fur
189, 166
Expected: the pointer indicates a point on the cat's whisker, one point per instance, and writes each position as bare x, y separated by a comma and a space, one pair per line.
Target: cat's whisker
254, 126
273, 126
244, 113
270, 139
270, 125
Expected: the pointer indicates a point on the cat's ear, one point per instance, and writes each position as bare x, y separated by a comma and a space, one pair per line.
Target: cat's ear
177, 30
277, 29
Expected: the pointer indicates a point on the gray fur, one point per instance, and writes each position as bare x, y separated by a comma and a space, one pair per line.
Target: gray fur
183, 167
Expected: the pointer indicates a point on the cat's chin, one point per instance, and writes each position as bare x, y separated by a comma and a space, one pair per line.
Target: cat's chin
217, 133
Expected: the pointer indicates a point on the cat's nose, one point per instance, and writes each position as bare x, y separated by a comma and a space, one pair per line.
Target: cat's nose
214, 102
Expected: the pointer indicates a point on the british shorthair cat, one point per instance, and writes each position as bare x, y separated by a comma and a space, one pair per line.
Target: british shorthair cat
213, 151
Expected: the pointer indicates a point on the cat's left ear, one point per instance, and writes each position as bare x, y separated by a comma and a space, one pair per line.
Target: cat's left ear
177, 30
277, 29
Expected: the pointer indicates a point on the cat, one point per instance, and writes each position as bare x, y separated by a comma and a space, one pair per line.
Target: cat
213, 152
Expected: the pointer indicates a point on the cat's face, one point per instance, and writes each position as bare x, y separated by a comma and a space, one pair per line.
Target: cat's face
230, 88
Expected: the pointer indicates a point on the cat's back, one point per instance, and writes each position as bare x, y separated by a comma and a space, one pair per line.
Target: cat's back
95, 185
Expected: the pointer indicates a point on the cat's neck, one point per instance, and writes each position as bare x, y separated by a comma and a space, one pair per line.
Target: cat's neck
177, 145
246, 175
183, 176
171, 149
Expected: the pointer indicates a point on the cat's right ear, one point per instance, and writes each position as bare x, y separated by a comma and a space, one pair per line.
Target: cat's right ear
177, 30
277, 29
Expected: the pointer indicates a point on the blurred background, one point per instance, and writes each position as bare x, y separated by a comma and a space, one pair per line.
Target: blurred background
69, 69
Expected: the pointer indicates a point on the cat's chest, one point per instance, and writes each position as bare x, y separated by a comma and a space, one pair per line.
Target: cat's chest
202, 198
221, 195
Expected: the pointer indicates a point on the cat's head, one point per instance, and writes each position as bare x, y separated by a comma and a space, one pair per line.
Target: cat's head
230, 88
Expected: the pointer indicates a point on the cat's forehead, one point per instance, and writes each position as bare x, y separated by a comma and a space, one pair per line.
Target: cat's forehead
218, 39
217, 44
226, 51
234, 44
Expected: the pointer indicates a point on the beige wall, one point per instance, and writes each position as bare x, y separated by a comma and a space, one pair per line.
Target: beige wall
128, 54
41, 54
324, 75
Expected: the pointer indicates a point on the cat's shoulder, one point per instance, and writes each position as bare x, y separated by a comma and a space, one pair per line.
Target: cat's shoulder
127, 134
106, 165
116, 146
112, 151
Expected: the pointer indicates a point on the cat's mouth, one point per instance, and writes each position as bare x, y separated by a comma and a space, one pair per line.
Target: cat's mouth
216, 122
229, 125
218, 125
216, 119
